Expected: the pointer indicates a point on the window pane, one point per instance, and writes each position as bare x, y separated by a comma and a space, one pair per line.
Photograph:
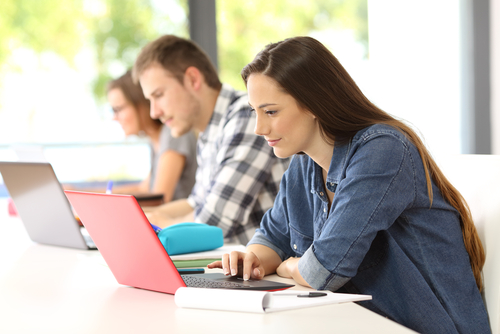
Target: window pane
56, 58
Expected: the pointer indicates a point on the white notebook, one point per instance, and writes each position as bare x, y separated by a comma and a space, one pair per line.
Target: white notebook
258, 301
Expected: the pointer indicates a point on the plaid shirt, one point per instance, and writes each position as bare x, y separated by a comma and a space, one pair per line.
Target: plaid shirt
238, 175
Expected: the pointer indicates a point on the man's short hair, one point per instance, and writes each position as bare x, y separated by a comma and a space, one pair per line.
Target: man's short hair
176, 54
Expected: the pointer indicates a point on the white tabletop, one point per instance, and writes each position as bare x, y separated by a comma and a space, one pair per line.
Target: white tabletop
46, 289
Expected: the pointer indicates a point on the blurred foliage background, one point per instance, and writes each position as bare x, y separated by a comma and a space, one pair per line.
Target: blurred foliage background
113, 31
110, 31
245, 27
56, 57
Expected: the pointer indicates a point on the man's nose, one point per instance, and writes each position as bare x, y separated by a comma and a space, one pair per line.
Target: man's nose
155, 111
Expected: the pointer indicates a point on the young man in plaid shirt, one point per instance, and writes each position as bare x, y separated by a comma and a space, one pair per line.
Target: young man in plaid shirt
238, 174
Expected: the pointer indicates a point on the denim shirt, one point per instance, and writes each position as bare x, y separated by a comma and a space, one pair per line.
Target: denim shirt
380, 237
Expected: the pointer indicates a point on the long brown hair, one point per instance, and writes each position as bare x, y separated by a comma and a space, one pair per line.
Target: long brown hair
310, 73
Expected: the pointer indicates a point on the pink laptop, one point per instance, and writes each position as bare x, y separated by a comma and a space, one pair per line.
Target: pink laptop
133, 252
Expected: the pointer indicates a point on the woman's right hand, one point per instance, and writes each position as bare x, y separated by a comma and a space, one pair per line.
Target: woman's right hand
246, 265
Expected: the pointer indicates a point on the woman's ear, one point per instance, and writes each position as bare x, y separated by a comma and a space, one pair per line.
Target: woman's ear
193, 78
309, 113
303, 109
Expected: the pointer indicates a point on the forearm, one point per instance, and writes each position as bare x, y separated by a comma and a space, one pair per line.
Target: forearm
169, 171
170, 213
135, 188
189, 217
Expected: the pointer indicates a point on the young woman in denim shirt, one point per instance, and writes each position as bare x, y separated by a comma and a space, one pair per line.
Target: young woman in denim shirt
363, 207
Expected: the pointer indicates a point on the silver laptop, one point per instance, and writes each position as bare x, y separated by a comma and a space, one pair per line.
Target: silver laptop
43, 206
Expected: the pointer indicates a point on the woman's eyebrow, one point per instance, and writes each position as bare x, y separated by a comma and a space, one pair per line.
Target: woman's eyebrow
266, 105
263, 105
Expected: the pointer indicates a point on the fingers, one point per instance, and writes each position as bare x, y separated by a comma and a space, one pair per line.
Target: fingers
224, 264
234, 259
215, 264
249, 263
255, 273
258, 273
240, 264
252, 267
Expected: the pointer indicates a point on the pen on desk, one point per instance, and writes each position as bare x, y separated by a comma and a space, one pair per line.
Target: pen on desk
109, 187
156, 228
302, 295
191, 271
313, 294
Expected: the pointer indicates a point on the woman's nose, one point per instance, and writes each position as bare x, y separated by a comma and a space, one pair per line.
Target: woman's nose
261, 128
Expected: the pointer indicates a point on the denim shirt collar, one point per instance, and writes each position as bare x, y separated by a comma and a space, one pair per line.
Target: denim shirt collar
339, 159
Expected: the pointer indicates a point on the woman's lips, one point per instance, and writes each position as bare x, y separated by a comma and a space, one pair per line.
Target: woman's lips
273, 142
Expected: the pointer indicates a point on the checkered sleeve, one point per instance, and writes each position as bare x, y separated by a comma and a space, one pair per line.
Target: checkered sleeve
244, 165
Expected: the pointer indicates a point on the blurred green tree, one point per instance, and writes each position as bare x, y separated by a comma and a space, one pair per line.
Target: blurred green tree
245, 27
123, 30
113, 30
50, 25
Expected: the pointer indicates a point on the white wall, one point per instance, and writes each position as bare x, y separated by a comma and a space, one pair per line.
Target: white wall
415, 66
495, 74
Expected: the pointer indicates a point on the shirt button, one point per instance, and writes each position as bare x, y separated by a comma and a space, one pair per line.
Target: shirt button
321, 193
294, 246
324, 209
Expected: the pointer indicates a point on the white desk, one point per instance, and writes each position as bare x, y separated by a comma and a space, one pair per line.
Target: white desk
45, 289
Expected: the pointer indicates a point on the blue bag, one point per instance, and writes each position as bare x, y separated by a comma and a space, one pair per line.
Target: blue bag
190, 237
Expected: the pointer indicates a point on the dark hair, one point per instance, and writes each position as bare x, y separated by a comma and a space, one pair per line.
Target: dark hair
176, 54
133, 94
310, 73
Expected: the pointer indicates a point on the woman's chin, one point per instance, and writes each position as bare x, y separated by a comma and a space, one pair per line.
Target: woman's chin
281, 154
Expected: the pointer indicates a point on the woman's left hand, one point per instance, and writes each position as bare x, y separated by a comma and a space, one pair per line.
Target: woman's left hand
287, 267
290, 269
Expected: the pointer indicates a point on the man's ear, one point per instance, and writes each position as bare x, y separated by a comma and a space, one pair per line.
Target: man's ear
193, 78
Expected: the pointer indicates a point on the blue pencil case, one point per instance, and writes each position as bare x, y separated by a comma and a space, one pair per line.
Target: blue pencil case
190, 237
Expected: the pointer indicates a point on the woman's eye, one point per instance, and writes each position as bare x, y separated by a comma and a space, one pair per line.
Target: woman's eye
252, 110
271, 112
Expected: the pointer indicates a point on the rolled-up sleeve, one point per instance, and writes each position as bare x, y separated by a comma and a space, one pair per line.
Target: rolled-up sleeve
316, 275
